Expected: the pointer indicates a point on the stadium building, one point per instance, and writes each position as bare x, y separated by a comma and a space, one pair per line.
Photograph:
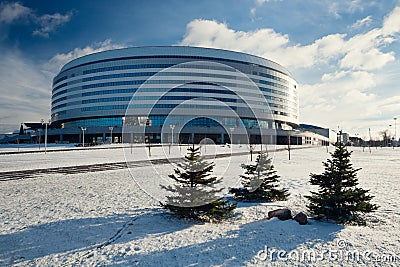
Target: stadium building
174, 94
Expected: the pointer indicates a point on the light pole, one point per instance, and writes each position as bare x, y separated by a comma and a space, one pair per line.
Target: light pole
251, 152
205, 142
83, 136
111, 129
45, 135
390, 133
147, 140
39, 137
231, 137
395, 130
289, 143
172, 126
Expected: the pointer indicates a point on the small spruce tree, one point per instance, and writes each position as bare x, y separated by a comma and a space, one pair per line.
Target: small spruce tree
194, 195
260, 182
338, 199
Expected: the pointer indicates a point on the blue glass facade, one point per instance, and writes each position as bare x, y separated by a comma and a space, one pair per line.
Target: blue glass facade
96, 90
99, 122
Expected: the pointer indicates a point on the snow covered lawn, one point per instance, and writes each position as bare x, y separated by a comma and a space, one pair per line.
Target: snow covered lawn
104, 218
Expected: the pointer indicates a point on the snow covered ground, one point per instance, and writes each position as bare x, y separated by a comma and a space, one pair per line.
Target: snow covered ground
72, 156
104, 218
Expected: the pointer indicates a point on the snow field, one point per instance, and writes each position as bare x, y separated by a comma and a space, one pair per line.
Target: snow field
84, 156
104, 218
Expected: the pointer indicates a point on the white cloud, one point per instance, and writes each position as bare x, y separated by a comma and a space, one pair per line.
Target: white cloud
369, 60
361, 23
25, 91
336, 8
391, 24
364, 51
354, 6
333, 9
360, 52
11, 12
350, 92
217, 35
58, 60
331, 46
340, 100
333, 76
351, 99
26, 87
334, 85
260, 2
263, 42
49, 23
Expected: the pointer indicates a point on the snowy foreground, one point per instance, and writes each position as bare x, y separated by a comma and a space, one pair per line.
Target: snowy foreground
106, 218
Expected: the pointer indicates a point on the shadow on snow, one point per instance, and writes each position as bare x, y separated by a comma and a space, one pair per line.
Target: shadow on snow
232, 248
237, 247
82, 235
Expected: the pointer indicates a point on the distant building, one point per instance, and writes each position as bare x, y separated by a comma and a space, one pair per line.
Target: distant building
316, 135
345, 138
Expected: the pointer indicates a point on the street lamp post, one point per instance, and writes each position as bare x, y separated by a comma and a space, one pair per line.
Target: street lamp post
289, 143
395, 130
251, 152
45, 135
39, 137
205, 142
83, 136
147, 141
231, 137
111, 137
172, 126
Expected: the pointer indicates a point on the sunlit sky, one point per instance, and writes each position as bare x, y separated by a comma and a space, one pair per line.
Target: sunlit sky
344, 54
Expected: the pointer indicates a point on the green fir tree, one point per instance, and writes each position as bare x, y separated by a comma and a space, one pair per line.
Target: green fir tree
260, 182
194, 195
338, 197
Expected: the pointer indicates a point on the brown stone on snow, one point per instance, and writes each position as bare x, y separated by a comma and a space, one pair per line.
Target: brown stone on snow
301, 218
281, 214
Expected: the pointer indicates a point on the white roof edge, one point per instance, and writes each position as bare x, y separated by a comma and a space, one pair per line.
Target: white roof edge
174, 50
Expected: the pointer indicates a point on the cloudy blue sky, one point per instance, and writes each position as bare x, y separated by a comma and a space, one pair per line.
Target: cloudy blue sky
344, 54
